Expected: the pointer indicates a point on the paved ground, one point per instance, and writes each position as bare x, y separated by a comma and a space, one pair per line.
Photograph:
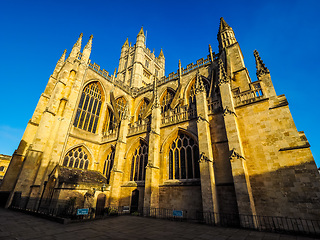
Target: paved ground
16, 225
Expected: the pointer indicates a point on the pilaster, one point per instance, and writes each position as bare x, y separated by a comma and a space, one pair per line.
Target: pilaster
239, 171
151, 195
208, 187
118, 166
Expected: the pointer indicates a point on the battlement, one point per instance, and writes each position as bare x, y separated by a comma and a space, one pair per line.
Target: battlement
133, 91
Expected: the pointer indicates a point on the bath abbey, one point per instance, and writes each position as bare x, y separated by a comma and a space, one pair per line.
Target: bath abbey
206, 138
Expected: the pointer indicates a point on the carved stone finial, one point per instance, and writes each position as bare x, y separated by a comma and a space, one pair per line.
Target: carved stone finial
78, 43
161, 54
261, 68
223, 77
156, 102
89, 44
199, 84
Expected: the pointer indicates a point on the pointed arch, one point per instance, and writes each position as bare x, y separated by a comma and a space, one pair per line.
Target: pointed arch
141, 109
89, 108
182, 151
139, 161
190, 89
121, 106
166, 99
78, 156
108, 163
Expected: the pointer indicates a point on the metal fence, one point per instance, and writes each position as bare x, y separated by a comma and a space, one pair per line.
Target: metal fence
67, 210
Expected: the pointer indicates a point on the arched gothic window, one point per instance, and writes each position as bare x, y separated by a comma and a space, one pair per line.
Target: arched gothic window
76, 158
166, 100
184, 158
121, 106
89, 108
111, 123
108, 164
139, 163
192, 91
142, 108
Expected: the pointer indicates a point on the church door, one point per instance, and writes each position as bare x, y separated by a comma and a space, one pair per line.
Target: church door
134, 201
101, 200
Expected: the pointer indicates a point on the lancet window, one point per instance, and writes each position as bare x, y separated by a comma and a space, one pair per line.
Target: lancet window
108, 164
139, 163
121, 104
192, 92
111, 123
142, 108
184, 158
166, 100
76, 158
89, 108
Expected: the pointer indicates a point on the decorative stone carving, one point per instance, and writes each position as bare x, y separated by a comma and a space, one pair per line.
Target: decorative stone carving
227, 111
261, 68
150, 165
199, 83
234, 155
200, 119
204, 158
223, 77
156, 102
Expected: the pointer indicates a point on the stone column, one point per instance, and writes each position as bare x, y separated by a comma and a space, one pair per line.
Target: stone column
151, 194
239, 170
208, 187
116, 177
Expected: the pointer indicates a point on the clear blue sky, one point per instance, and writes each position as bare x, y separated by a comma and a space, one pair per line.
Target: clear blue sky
35, 33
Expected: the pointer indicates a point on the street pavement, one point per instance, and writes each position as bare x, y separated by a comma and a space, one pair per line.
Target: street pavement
18, 226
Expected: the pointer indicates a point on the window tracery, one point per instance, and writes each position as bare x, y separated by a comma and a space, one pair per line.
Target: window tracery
139, 163
184, 158
166, 100
108, 164
87, 115
192, 92
121, 104
142, 108
76, 158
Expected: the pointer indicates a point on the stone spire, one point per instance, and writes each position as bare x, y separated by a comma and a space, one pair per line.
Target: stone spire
141, 32
225, 35
76, 47
126, 44
87, 51
223, 77
161, 54
60, 62
261, 68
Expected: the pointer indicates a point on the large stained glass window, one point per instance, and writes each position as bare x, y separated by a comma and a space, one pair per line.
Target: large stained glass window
89, 108
184, 158
76, 158
139, 163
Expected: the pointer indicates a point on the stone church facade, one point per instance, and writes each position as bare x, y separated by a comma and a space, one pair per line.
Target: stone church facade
206, 138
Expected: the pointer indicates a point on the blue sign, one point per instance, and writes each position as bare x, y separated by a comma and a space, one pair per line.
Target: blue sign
83, 211
177, 213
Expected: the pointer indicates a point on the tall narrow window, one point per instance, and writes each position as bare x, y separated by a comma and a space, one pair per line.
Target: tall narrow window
142, 108
166, 100
76, 158
139, 163
108, 164
111, 122
121, 106
192, 91
183, 158
89, 108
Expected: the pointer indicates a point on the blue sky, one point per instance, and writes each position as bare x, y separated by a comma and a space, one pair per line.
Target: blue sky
35, 33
